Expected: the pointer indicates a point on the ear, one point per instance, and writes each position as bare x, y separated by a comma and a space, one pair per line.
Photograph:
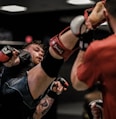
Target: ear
106, 14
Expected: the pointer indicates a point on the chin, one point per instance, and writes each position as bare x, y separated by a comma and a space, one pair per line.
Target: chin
37, 62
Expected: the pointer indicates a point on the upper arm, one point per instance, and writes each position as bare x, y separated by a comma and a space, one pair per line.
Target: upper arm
79, 85
76, 83
83, 73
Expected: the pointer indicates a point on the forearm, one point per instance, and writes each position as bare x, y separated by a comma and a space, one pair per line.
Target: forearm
76, 83
43, 107
62, 44
79, 60
12, 62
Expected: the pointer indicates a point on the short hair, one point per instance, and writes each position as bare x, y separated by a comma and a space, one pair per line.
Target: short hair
111, 7
38, 42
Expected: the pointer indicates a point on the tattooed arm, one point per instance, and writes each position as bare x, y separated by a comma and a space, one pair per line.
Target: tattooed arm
56, 88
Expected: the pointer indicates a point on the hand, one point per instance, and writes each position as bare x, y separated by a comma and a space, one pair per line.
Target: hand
43, 107
96, 16
85, 39
96, 109
14, 60
6, 53
59, 85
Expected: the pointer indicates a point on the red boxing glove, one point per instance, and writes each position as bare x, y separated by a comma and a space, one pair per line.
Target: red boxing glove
6, 53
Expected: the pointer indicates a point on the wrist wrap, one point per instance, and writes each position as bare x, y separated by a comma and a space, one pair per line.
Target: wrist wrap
58, 46
52, 94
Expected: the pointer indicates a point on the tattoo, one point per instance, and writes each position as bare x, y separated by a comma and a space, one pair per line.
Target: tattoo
43, 107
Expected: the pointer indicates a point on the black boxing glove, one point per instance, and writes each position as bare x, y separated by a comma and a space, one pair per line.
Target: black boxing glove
98, 102
63, 82
79, 29
85, 39
6, 53
99, 105
25, 57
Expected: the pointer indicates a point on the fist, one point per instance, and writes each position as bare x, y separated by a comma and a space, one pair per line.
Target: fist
6, 53
97, 16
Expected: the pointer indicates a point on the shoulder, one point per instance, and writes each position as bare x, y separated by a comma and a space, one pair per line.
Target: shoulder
97, 44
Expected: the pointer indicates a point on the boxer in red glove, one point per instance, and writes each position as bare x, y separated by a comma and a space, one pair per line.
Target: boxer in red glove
31, 55
6, 53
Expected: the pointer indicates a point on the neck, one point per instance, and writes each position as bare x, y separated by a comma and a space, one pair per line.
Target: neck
112, 24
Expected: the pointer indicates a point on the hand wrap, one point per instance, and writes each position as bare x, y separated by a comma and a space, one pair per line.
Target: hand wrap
99, 104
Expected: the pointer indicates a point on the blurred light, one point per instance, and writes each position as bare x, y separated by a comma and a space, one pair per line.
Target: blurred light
28, 39
80, 2
13, 8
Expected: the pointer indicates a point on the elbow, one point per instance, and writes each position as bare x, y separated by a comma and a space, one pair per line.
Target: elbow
74, 81
77, 84
73, 78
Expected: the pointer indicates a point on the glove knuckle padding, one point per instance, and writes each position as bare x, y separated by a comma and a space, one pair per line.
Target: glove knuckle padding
6, 53
76, 24
7, 50
98, 102
85, 39
25, 57
99, 105
63, 81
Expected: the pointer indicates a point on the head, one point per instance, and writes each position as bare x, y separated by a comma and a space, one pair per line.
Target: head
110, 5
35, 48
111, 14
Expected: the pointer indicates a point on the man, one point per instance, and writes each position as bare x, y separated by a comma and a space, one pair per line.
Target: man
23, 60
36, 51
94, 92
97, 62
23, 93
31, 55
